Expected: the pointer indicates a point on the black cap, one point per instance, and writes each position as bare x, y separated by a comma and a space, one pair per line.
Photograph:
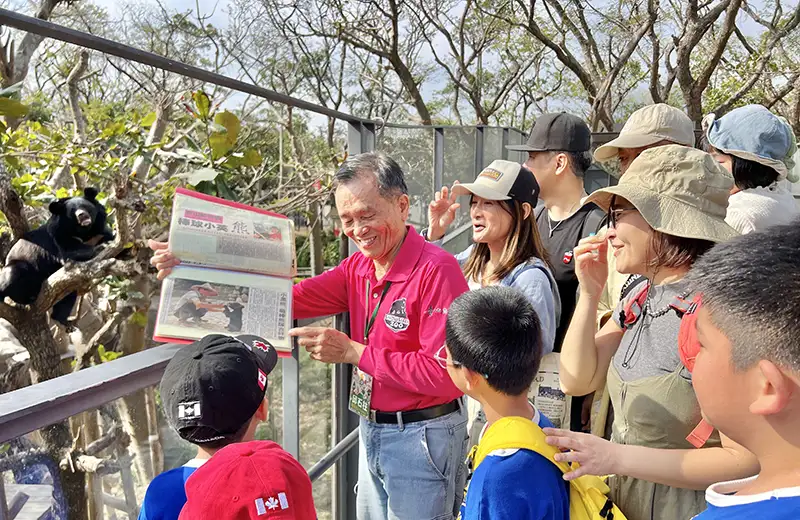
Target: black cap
214, 386
560, 132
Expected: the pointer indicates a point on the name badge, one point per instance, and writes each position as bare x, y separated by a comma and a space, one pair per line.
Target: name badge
361, 393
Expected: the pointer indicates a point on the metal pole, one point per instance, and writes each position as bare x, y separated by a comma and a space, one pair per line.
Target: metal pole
478, 149
291, 400
438, 158
503, 144
333, 456
90, 41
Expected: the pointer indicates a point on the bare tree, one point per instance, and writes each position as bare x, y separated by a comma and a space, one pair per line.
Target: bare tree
594, 45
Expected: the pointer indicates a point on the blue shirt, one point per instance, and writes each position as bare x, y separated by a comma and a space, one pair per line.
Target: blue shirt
537, 283
779, 504
518, 484
166, 494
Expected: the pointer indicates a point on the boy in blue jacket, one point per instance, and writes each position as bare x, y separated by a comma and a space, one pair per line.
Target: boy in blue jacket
747, 372
493, 350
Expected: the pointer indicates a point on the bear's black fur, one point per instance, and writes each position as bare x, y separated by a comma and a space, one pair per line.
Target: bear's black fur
76, 226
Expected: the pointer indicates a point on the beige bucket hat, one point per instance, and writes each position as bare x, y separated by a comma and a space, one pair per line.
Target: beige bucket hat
679, 191
650, 125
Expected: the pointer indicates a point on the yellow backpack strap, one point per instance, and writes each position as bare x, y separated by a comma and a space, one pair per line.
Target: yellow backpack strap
511, 433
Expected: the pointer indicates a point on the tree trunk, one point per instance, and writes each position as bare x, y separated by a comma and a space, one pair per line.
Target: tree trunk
46, 364
135, 416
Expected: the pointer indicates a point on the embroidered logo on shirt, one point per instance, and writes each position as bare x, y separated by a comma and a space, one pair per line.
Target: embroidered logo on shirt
567, 257
396, 318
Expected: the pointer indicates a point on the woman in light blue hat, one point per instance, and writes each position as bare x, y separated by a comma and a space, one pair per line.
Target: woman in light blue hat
756, 146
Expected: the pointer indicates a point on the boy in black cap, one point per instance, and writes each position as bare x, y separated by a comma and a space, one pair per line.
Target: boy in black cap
214, 394
559, 153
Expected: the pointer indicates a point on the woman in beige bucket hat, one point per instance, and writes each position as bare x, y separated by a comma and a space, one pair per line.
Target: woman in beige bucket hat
667, 210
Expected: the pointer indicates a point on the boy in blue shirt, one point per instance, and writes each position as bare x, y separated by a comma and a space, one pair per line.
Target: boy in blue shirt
493, 350
214, 394
747, 373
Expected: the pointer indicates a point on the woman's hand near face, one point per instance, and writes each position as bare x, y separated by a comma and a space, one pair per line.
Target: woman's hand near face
441, 213
591, 264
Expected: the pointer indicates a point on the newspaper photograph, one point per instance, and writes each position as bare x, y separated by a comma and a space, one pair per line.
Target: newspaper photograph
212, 232
197, 301
546, 394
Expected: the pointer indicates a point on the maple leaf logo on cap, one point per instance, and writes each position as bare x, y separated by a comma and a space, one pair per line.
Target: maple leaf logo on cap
260, 345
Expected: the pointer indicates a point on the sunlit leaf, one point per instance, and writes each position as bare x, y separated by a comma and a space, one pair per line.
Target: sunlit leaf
149, 119
202, 102
203, 174
12, 108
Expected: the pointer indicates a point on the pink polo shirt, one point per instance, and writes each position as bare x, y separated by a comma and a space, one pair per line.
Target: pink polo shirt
409, 327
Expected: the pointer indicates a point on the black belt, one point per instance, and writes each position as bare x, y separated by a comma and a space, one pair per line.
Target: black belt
412, 416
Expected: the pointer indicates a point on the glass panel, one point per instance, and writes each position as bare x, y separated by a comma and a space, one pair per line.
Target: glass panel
517, 137
597, 178
412, 148
33, 481
492, 145
459, 165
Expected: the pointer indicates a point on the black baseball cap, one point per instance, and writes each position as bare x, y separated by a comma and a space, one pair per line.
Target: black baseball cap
213, 387
560, 132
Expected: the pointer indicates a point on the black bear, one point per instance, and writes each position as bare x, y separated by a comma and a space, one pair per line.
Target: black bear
76, 226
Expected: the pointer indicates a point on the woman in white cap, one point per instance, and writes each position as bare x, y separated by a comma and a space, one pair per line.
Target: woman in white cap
507, 250
668, 209
756, 146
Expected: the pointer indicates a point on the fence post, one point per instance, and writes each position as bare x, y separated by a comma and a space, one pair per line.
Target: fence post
291, 400
438, 158
478, 149
503, 144
360, 139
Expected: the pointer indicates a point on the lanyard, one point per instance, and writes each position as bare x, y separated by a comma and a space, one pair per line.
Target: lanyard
371, 320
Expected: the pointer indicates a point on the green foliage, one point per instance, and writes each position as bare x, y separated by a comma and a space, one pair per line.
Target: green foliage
107, 355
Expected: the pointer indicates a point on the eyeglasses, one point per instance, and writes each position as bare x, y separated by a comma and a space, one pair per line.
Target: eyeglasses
441, 358
615, 213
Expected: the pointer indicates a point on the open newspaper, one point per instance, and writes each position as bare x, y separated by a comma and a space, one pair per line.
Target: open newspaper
235, 277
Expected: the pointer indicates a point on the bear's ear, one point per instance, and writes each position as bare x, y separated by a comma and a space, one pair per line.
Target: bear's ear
58, 207
90, 193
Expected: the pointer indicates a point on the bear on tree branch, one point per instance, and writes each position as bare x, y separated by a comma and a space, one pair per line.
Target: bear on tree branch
77, 225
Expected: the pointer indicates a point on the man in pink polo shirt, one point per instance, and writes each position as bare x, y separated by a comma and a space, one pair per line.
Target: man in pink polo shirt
397, 289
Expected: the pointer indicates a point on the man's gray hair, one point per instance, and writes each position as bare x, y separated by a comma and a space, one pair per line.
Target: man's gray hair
390, 177
751, 289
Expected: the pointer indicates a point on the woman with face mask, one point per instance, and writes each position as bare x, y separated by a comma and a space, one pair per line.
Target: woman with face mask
668, 209
756, 146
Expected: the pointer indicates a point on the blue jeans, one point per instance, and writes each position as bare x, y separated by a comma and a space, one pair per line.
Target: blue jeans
414, 471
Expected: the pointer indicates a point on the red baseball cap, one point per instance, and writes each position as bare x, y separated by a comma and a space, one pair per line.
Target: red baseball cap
256, 480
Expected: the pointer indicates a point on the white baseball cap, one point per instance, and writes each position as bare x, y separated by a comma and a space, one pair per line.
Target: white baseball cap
503, 180
650, 125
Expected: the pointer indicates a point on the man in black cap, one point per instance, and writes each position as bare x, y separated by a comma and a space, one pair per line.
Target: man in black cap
559, 153
213, 394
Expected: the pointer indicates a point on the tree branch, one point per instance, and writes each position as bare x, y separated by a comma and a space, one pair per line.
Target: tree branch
11, 205
86, 352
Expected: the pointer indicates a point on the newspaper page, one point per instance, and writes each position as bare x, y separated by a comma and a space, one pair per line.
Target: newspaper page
197, 301
546, 394
213, 232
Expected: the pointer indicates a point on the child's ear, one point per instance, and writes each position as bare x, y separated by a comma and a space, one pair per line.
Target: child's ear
774, 390
262, 414
473, 379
